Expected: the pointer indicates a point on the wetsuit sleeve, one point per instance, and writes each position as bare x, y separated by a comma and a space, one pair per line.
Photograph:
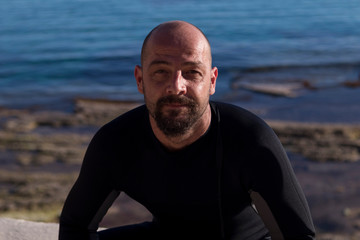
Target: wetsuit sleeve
276, 182
92, 193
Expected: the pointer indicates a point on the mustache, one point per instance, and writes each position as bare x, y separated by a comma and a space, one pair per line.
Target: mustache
183, 100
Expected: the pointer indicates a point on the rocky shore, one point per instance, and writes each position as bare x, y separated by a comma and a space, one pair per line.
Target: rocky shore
41, 153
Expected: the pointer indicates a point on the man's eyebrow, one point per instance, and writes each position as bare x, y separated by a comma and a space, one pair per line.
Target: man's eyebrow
159, 62
195, 63
189, 63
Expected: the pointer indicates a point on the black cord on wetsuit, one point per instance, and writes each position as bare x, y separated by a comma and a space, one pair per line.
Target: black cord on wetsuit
219, 164
219, 160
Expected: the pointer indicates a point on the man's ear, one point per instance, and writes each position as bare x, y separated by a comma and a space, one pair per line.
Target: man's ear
139, 78
213, 77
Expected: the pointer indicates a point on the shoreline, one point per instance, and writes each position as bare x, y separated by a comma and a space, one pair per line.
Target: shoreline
301, 137
47, 147
306, 100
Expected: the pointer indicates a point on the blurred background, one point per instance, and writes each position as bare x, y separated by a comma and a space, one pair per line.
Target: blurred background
284, 60
53, 51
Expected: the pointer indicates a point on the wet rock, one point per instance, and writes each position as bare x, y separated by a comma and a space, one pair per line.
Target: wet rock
100, 111
352, 212
33, 191
334, 237
320, 142
20, 125
35, 148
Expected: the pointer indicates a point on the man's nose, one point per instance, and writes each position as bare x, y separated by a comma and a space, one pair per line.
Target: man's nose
177, 84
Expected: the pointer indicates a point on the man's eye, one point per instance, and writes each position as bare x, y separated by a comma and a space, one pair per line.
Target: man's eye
160, 71
192, 74
160, 75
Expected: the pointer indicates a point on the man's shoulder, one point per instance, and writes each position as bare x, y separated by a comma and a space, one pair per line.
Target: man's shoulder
231, 112
223, 106
236, 120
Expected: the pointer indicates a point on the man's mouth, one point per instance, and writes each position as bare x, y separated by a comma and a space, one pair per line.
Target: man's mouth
176, 105
174, 102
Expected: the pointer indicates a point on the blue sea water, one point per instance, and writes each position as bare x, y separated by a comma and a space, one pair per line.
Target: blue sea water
56, 50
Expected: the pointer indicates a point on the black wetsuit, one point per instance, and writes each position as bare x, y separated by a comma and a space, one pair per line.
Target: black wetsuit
200, 192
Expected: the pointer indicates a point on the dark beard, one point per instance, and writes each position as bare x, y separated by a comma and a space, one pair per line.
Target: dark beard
168, 122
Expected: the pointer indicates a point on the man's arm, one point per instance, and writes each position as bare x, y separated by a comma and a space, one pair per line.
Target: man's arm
276, 182
91, 195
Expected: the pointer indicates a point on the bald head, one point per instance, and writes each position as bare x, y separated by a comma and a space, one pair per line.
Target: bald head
179, 33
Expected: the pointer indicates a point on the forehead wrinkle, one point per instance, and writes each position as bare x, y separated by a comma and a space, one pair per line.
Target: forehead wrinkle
185, 64
159, 62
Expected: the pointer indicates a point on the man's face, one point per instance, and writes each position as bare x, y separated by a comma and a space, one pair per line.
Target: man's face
177, 80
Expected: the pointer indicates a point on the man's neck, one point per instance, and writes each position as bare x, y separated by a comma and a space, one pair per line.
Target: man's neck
189, 137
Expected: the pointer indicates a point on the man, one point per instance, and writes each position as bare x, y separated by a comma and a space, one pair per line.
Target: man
192, 163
